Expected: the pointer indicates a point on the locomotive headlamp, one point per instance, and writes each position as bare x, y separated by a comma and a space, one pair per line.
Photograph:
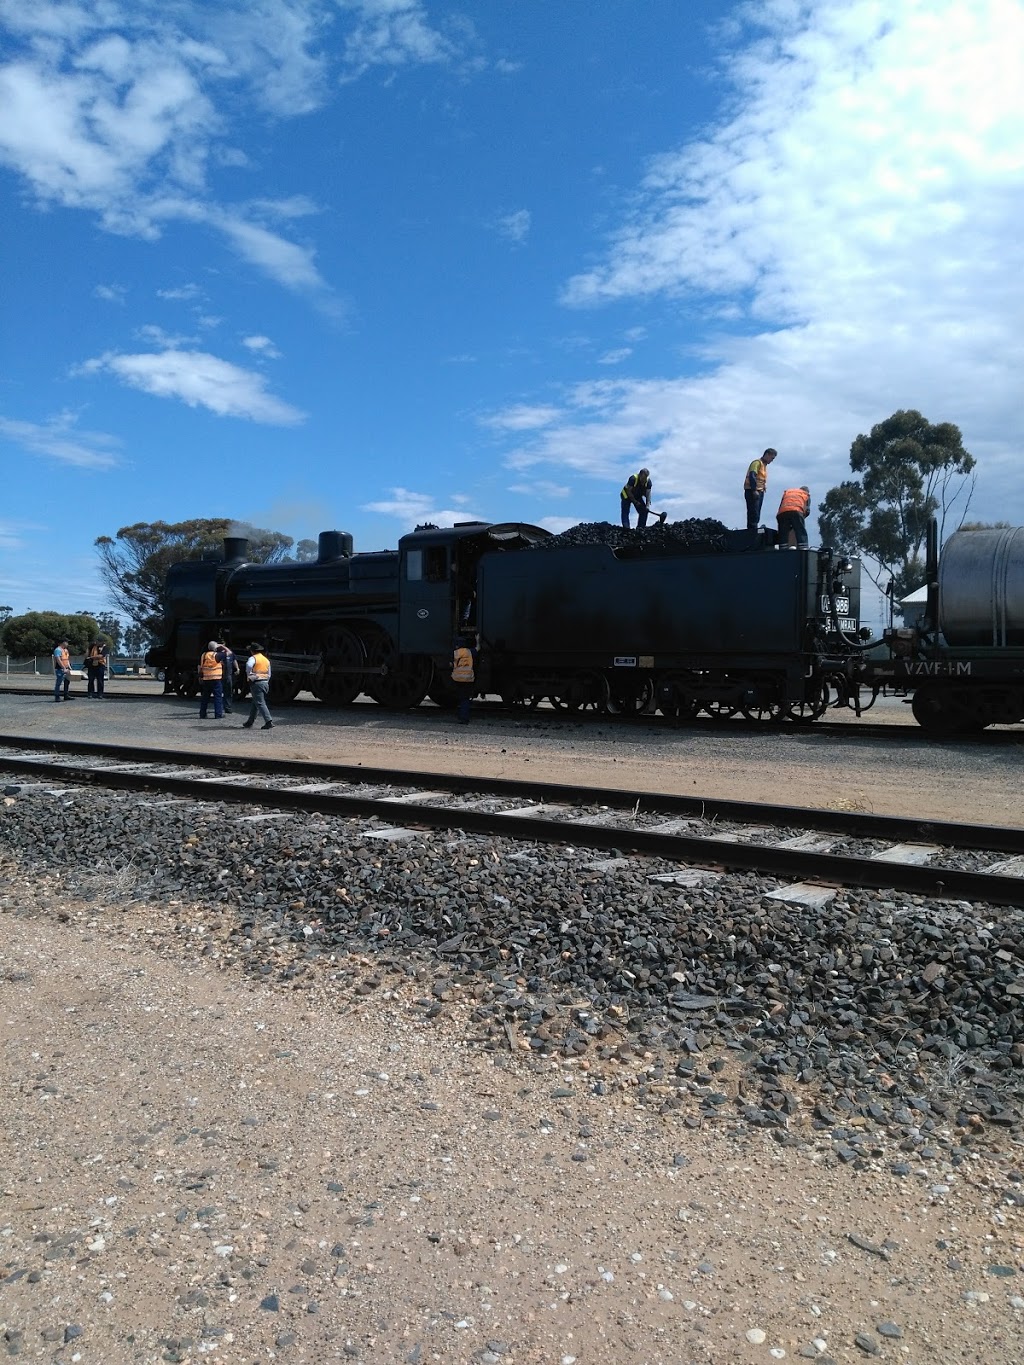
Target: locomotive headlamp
845, 565
838, 585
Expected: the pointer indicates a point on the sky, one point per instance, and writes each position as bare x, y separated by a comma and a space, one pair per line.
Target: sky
363, 264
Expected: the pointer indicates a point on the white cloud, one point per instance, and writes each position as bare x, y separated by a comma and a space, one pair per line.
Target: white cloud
615, 356
540, 488
59, 439
183, 293
524, 417
118, 107
413, 509
200, 380
262, 346
515, 226
851, 235
394, 33
110, 293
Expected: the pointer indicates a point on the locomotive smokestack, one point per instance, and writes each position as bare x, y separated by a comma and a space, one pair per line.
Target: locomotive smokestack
235, 549
333, 545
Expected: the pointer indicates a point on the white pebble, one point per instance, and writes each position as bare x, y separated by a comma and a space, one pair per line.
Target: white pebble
777, 1353
1017, 1302
819, 1344
223, 1250
666, 1295
561, 1268
756, 1337
607, 1276
568, 1360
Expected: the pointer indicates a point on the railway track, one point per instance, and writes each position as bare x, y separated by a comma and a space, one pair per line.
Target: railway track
849, 730
810, 851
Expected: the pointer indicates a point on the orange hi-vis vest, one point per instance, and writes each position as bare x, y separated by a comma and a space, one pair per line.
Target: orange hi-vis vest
210, 667
462, 667
65, 660
260, 670
795, 500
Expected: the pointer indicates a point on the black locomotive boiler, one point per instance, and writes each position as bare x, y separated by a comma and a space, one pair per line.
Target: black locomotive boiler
720, 621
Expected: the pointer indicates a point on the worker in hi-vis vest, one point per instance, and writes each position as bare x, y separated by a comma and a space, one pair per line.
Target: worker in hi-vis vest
794, 509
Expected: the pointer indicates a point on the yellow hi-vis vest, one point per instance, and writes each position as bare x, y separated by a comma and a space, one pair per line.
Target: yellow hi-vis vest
757, 476
462, 666
640, 489
210, 667
260, 668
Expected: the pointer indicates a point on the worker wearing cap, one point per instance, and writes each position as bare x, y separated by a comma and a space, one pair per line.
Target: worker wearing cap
211, 681
257, 671
636, 492
794, 509
754, 485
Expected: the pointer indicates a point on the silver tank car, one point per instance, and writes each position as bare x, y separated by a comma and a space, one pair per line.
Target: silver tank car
981, 588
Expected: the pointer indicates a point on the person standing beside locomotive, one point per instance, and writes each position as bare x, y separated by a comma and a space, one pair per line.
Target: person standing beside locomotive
230, 669
636, 492
257, 671
61, 671
211, 681
794, 509
463, 677
754, 486
96, 668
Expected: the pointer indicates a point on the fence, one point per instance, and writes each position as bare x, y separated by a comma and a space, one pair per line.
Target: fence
43, 664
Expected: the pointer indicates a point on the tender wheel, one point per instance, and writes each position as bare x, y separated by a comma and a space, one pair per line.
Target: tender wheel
397, 681
341, 678
518, 700
808, 710
720, 710
933, 712
764, 712
632, 701
587, 691
676, 700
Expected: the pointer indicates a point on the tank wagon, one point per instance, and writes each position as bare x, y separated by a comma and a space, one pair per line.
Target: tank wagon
963, 663
723, 623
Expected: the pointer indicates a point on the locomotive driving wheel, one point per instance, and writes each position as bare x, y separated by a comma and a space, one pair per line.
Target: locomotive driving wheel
341, 678
397, 681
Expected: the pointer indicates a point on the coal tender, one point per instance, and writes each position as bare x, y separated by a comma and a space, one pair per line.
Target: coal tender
686, 617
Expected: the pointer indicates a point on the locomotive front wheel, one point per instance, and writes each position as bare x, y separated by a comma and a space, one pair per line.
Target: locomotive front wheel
284, 687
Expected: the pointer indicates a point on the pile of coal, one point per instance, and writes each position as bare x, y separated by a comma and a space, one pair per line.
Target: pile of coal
694, 533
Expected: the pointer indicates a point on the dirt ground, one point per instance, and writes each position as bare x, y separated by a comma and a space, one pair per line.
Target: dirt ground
200, 1165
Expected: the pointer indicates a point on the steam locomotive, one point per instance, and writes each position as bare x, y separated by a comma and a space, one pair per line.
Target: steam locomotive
724, 622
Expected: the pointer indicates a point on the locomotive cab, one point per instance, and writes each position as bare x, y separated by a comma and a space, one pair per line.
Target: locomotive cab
438, 569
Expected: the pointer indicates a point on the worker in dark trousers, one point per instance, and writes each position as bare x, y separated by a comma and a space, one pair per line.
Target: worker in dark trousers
636, 492
211, 679
794, 509
754, 485
463, 677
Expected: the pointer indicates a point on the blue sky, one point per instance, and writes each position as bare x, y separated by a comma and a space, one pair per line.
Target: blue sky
359, 264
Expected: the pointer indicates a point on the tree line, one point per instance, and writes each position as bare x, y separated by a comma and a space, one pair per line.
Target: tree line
906, 471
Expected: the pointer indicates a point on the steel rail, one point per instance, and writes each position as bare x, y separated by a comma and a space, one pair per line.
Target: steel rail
855, 824
765, 860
